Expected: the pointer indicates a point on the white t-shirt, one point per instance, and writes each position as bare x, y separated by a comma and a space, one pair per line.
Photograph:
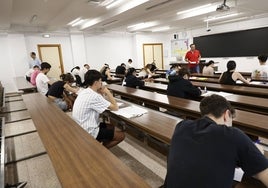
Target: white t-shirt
29, 72
260, 71
86, 110
42, 83
207, 70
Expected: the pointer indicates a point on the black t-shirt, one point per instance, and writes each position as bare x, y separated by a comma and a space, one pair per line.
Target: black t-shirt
204, 155
133, 81
180, 87
120, 70
56, 89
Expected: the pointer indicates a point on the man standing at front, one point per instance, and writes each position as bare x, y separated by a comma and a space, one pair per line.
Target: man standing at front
193, 57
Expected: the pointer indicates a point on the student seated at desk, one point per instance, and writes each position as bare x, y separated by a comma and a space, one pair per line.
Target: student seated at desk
261, 72
131, 79
76, 73
205, 152
42, 80
90, 103
180, 86
208, 69
174, 69
58, 92
231, 76
34, 75
29, 73
121, 69
146, 72
106, 74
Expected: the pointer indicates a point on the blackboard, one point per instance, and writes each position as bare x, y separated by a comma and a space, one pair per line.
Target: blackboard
234, 44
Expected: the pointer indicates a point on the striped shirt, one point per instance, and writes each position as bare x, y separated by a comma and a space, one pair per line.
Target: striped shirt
86, 110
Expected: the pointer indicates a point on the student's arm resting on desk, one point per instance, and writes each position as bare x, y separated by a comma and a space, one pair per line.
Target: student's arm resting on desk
238, 76
70, 89
104, 91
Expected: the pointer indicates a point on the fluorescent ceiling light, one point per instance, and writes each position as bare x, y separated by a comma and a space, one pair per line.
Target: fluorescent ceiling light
46, 35
132, 4
89, 23
74, 21
221, 17
106, 2
141, 26
194, 9
113, 4
198, 12
78, 23
161, 29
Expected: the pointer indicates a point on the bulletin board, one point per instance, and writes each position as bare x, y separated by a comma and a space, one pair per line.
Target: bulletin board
179, 48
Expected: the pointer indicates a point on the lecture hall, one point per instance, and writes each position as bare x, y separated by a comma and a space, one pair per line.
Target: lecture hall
134, 93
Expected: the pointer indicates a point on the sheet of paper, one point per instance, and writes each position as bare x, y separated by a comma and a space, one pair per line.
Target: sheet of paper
238, 174
223, 94
130, 111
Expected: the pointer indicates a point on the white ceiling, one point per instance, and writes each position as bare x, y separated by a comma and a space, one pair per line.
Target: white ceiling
54, 15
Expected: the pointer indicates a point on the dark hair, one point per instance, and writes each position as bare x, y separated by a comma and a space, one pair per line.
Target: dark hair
45, 65
130, 71
184, 71
68, 77
215, 105
36, 66
191, 45
33, 53
91, 76
262, 58
129, 60
210, 63
231, 65
86, 64
76, 67
123, 64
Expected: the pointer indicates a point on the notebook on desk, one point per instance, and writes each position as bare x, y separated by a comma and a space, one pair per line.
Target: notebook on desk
130, 111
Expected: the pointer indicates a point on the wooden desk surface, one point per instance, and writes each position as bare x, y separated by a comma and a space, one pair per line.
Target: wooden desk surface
242, 90
79, 160
23, 84
159, 125
248, 103
249, 122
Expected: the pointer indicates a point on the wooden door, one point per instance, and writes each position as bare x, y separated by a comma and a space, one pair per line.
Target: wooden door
51, 53
153, 53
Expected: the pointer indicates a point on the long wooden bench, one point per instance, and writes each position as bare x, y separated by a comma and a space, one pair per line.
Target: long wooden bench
78, 159
249, 122
23, 85
243, 102
237, 89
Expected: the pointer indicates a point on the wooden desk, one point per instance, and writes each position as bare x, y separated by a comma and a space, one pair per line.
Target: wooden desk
249, 122
237, 89
243, 102
24, 85
158, 125
79, 160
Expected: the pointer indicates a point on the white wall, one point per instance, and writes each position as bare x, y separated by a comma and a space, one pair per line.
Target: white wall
78, 50
110, 48
7, 72
66, 48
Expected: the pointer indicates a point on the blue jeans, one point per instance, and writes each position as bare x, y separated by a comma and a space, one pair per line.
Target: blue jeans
195, 69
